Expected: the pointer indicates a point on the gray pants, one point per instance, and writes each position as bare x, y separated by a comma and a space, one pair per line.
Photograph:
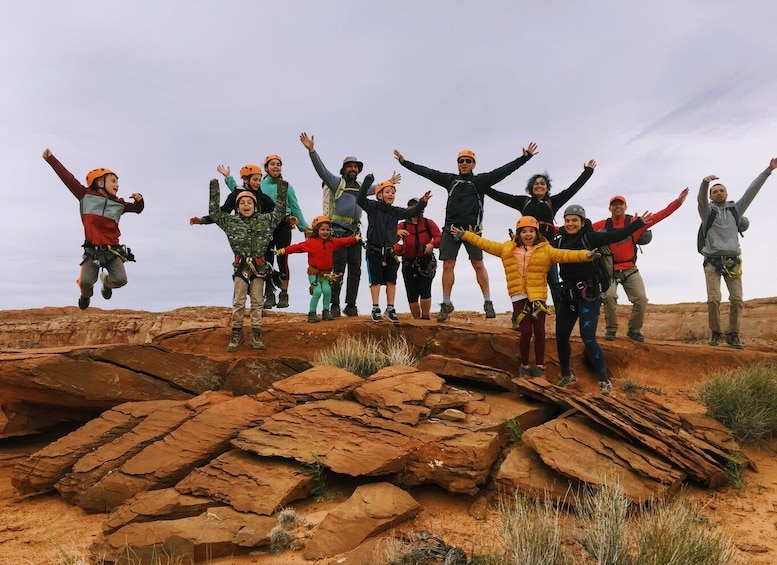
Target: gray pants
632, 283
256, 292
735, 297
117, 276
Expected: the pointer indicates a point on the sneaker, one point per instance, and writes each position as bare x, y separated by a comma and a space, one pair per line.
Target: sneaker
283, 299
83, 302
566, 381
334, 309
488, 307
269, 300
425, 318
524, 371
326, 315
236, 341
514, 321
391, 314
106, 292
635, 336
351, 310
376, 315
536, 371
732, 339
256, 338
610, 335
312, 318
715, 339
445, 311
605, 387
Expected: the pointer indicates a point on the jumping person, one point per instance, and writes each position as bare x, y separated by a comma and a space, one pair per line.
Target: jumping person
249, 234
101, 211
527, 258
383, 216
625, 272
582, 290
419, 237
346, 220
539, 204
464, 209
320, 248
721, 219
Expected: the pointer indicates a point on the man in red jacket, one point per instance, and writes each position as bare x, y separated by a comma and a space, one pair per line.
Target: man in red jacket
624, 258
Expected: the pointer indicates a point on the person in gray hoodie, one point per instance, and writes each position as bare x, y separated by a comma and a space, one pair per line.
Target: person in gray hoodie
340, 194
721, 224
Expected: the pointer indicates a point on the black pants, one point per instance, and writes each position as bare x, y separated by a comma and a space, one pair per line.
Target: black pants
350, 258
281, 237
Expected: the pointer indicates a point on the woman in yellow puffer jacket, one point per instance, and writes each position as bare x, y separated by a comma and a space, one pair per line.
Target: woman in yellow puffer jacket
527, 258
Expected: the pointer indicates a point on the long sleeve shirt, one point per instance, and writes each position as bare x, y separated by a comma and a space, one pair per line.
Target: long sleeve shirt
383, 218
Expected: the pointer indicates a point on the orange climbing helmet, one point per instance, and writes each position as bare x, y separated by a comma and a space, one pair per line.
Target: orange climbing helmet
95, 174
250, 169
270, 157
527, 222
244, 194
318, 220
466, 153
383, 186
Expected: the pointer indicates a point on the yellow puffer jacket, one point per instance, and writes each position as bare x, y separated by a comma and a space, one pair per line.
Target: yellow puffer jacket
534, 284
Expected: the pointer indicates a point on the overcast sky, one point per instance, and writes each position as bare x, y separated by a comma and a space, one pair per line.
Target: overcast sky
660, 94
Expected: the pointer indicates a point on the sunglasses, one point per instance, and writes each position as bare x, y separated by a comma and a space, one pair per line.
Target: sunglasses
466, 160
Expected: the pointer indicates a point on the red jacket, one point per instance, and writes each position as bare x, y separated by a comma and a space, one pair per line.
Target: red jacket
625, 251
414, 243
320, 250
100, 214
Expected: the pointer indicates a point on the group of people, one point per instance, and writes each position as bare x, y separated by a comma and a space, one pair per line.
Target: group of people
260, 216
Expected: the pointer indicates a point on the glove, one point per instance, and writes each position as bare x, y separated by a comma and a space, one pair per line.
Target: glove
369, 179
593, 254
358, 237
281, 251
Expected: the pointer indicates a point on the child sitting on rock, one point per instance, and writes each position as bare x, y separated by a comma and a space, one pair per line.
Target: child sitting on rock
527, 258
320, 248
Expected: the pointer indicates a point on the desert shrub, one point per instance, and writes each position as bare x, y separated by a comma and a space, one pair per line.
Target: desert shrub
318, 472
604, 521
676, 533
745, 401
280, 540
513, 430
364, 356
530, 531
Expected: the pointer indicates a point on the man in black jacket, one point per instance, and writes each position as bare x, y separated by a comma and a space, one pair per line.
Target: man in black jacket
464, 209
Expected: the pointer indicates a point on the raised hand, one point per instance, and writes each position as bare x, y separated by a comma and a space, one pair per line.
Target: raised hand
427, 195
531, 150
398, 156
195, 221
682, 196
308, 142
710, 178
590, 164
46, 153
223, 170
396, 178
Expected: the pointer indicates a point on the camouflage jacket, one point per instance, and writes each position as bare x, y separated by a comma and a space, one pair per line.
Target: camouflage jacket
248, 237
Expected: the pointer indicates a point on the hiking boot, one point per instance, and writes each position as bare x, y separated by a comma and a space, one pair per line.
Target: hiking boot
351, 310
236, 341
488, 308
732, 339
256, 338
715, 339
445, 311
83, 302
312, 318
376, 315
568, 380
105, 291
635, 336
269, 300
610, 335
326, 315
391, 314
334, 309
605, 387
283, 299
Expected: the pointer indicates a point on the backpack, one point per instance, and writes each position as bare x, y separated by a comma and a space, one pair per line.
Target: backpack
644, 238
701, 236
604, 266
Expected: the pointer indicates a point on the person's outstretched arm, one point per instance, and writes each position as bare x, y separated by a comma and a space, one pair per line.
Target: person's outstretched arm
557, 201
331, 180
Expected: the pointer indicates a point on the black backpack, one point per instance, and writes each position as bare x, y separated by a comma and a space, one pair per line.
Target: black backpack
604, 266
701, 236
